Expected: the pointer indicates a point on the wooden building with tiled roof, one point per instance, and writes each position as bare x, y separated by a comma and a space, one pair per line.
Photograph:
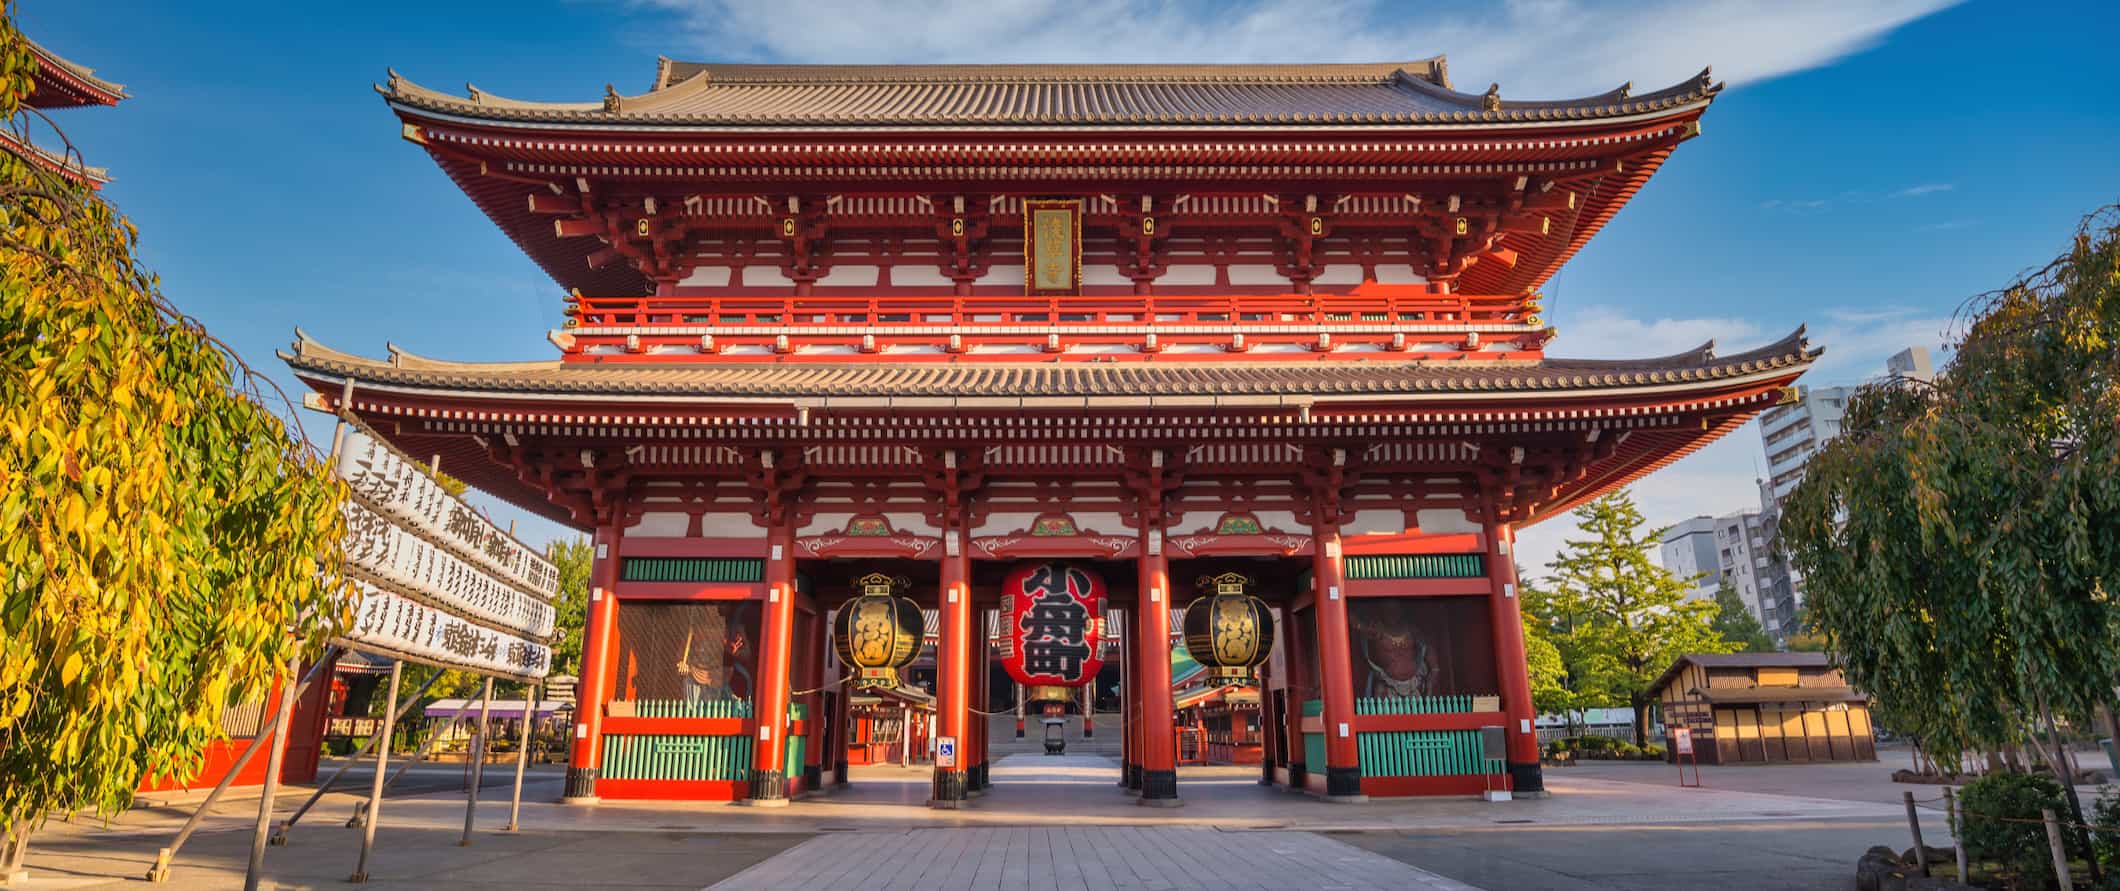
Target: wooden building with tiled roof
1159, 321
1765, 707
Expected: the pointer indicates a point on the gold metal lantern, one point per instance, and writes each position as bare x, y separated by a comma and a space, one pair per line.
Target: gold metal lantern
1228, 630
877, 632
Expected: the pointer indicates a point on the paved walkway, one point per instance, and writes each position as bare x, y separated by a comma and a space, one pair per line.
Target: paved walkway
1081, 859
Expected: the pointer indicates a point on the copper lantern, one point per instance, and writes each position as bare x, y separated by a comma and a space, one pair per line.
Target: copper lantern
877, 633
1228, 630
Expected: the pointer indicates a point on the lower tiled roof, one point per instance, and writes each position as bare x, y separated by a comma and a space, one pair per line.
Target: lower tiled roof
706, 377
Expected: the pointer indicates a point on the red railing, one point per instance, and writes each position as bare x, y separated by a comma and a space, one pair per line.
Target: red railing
976, 311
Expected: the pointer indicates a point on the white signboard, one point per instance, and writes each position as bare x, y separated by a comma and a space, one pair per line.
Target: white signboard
438, 581
401, 488
379, 547
402, 626
1682, 740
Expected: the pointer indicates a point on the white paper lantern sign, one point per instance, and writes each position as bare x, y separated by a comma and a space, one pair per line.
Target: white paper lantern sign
404, 490
399, 625
377, 546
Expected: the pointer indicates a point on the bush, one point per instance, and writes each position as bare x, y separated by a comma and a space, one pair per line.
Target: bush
1626, 750
2000, 813
2105, 841
1653, 751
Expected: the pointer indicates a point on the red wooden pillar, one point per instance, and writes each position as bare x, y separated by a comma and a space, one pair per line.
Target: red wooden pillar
842, 725
1130, 657
1159, 743
813, 674
1525, 776
1296, 691
769, 702
594, 688
953, 681
1343, 772
982, 650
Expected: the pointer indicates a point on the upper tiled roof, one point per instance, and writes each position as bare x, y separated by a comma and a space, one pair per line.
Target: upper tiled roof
64, 83
990, 379
1383, 94
1741, 660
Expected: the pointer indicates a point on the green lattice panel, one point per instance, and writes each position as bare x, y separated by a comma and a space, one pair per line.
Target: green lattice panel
692, 569
1421, 753
1413, 705
1416, 566
639, 757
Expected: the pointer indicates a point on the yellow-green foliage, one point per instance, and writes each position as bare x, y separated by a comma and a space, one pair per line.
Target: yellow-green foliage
163, 534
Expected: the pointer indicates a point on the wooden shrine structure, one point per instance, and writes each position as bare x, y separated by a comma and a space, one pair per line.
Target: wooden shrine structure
59, 83
1163, 320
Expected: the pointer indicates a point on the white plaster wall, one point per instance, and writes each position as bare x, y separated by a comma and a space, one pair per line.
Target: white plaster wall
763, 276
852, 276
1002, 275
1375, 522
1398, 274
729, 526
707, 277
1256, 275
1187, 275
919, 275
1101, 274
661, 525
1441, 520
1342, 274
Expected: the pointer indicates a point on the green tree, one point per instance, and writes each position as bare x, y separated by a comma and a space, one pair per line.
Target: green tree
164, 532
1549, 674
1961, 538
1562, 620
1736, 624
573, 556
1634, 617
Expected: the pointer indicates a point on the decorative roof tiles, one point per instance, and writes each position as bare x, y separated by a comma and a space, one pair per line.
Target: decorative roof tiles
988, 379
1383, 94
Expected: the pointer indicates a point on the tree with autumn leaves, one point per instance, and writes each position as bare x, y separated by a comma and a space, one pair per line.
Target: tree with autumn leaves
1614, 617
170, 548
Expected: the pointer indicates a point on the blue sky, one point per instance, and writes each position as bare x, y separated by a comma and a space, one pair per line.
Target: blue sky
1872, 165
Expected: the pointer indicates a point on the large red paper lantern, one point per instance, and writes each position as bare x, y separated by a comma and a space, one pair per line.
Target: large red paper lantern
1053, 615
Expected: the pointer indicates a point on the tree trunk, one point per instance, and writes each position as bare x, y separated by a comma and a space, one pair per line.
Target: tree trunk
14, 849
1641, 718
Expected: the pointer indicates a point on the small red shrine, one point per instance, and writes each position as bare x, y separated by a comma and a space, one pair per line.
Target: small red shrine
58, 83
1160, 322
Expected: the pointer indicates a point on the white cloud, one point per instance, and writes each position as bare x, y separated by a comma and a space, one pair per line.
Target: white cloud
1603, 332
1924, 189
1722, 477
1550, 48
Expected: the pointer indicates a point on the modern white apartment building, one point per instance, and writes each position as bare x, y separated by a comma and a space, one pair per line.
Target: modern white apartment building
1731, 549
1793, 432
1689, 550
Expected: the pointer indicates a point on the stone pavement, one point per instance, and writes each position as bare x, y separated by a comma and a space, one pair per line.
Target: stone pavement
1598, 830
1082, 858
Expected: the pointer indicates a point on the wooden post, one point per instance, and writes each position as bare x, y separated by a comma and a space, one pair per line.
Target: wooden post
273, 759
1921, 852
586, 758
1950, 807
1159, 749
815, 643
769, 748
522, 758
2053, 843
375, 789
953, 675
1130, 711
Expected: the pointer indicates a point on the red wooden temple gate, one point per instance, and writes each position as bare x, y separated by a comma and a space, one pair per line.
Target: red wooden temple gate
1163, 320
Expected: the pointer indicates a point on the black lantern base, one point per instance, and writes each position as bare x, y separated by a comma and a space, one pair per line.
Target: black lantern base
1343, 782
949, 790
769, 788
581, 785
1159, 788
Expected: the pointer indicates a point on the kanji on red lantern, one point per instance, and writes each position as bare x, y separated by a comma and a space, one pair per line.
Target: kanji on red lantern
1053, 614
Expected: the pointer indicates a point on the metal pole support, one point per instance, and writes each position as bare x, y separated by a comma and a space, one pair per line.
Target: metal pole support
478, 762
2053, 843
1921, 851
382, 760
273, 760
159, 872
279, 836
1950, 806
522, 758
